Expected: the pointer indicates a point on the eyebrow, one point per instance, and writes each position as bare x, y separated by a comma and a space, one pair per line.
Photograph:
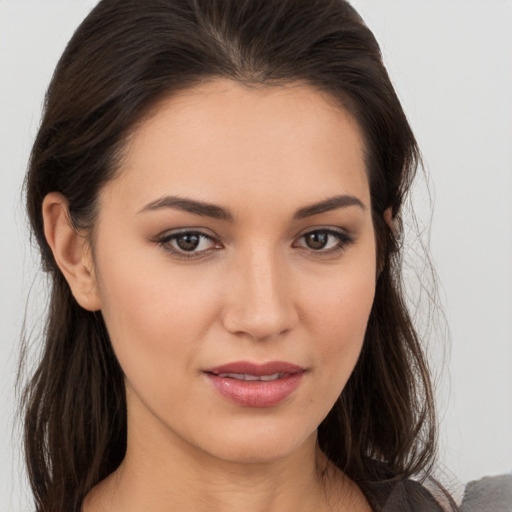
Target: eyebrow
189, 205
332, 203
213, 211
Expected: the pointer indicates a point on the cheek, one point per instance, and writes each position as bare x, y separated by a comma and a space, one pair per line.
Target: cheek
341, 326
338, 316
343, 311
153, 313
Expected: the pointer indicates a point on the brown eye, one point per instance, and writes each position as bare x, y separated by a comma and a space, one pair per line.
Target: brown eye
316, 239
188, 241
324, 241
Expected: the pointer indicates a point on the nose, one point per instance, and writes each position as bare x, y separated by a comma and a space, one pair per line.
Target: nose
260, 303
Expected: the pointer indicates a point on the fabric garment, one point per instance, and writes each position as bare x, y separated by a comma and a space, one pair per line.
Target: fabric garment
490, 494
404, 496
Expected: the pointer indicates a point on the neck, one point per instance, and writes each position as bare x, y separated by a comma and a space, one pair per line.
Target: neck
179, 483
163, 473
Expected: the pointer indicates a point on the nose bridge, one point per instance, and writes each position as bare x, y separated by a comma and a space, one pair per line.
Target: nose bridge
261, 304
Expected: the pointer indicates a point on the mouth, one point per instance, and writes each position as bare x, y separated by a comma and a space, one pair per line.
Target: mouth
254, 385
247, 376
271, 370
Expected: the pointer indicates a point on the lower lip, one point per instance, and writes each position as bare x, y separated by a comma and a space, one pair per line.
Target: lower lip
256, 393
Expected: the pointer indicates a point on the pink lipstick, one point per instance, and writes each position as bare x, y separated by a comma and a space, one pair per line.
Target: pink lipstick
255, 385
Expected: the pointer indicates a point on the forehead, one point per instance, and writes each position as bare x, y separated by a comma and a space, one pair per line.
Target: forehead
224, 140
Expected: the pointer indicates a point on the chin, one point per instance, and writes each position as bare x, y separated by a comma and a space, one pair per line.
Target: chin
259, 446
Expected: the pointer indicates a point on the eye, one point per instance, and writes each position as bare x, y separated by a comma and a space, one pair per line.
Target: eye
324, 240
188, 243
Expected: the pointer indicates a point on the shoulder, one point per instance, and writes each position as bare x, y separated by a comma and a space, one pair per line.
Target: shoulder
492, 493
402, 496
387, 493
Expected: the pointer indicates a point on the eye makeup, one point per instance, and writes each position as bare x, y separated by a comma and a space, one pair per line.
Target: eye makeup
196, 243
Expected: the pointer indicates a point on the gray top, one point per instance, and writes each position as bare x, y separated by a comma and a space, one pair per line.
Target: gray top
490, 494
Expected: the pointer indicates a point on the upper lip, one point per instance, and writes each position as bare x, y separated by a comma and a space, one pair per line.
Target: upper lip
249, 368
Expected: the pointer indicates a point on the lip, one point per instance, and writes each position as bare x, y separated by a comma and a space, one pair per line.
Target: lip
256, 393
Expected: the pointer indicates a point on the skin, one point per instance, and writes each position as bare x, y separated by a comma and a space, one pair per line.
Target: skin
255, 291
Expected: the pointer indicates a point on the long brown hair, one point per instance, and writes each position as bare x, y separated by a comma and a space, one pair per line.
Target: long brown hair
122, 60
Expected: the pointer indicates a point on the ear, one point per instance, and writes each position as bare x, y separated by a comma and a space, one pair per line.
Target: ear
388, 217
71, 251
390, 221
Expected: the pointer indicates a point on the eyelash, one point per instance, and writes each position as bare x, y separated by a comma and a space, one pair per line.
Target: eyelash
166, 240
343, 241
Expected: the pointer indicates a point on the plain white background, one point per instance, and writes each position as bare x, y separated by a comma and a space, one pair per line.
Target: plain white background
451, 63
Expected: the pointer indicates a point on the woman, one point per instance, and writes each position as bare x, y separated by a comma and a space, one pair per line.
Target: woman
216, 189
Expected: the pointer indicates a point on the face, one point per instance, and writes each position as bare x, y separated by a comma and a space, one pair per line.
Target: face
235, 264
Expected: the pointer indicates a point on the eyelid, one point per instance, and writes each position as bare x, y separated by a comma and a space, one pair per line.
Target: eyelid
345, 239
164, 239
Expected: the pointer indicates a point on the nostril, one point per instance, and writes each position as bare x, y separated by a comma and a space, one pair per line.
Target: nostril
259, 303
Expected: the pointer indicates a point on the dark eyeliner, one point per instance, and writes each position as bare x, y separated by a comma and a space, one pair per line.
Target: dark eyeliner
164, 242
344, 241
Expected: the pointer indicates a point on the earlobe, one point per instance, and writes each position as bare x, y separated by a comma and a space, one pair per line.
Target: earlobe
390, 221
71, 251
388, 218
